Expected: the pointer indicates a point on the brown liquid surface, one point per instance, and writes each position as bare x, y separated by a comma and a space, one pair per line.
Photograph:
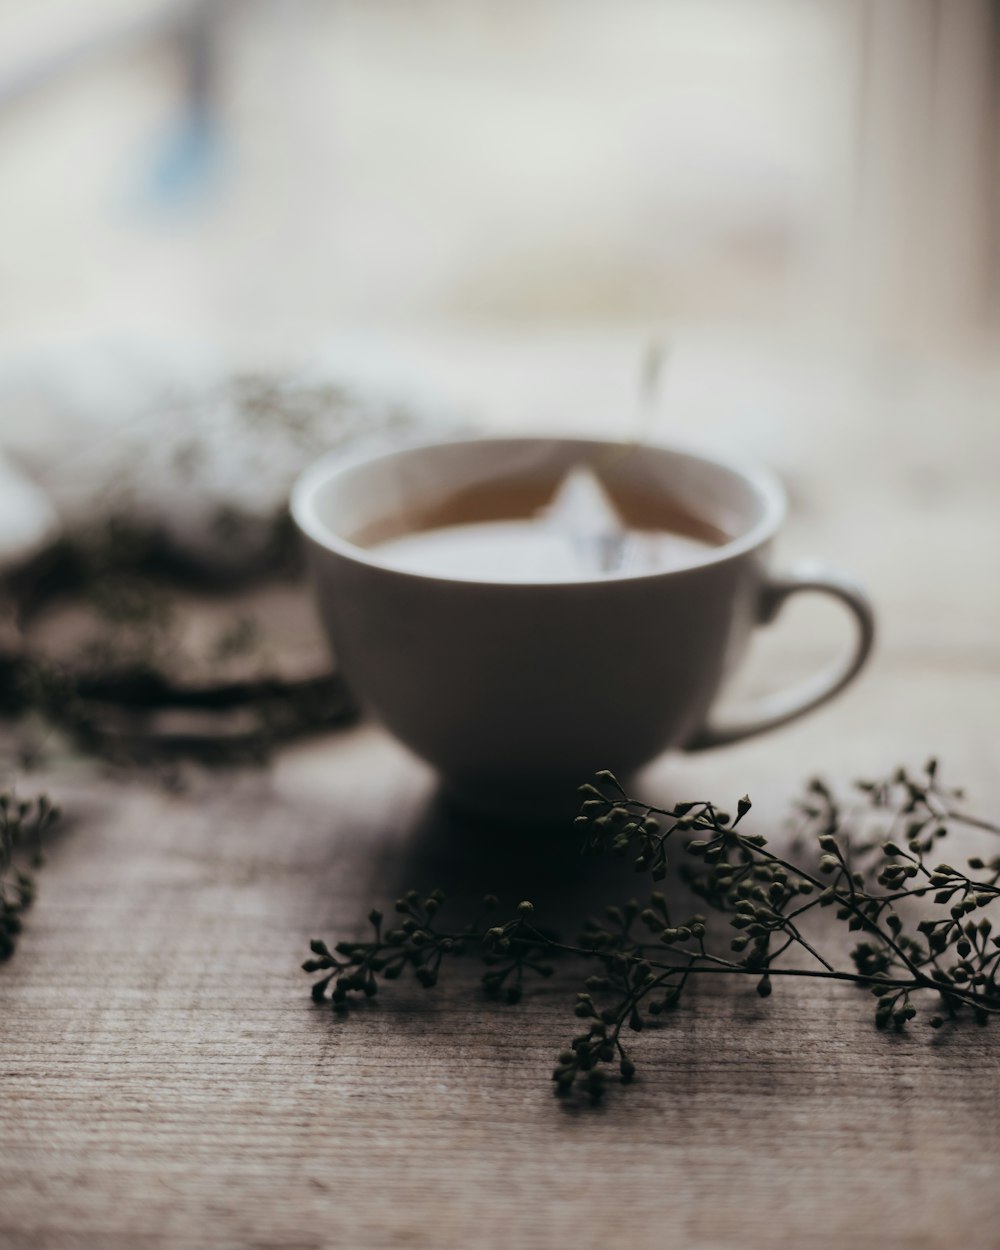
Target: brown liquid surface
521, 500
528, 530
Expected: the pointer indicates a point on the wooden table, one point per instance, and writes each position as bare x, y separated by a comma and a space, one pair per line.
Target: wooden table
166, 1081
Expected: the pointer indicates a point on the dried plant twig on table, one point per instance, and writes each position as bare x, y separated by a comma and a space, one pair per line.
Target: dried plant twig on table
638, 960
22, 825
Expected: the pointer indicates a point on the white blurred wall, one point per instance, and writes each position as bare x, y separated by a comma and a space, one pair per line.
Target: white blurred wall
829, 163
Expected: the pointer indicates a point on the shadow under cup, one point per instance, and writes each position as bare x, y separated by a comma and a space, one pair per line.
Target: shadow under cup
515, 690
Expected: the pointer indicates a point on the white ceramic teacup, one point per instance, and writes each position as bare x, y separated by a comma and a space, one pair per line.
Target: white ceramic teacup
505, 686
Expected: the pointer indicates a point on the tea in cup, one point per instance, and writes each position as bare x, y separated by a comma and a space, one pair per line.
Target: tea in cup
521, 612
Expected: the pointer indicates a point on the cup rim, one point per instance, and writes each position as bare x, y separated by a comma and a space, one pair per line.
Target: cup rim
314, 477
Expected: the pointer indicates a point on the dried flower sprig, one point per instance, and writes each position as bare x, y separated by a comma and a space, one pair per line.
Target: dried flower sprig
22, 824
643, 959
508, 951
133, 692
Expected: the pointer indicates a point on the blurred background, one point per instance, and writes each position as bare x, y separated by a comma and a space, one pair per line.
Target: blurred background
399, 211
272, 168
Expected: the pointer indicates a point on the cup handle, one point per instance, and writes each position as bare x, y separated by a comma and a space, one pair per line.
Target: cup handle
785, 705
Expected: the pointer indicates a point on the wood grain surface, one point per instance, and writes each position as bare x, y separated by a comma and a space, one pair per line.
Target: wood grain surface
165, 1080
